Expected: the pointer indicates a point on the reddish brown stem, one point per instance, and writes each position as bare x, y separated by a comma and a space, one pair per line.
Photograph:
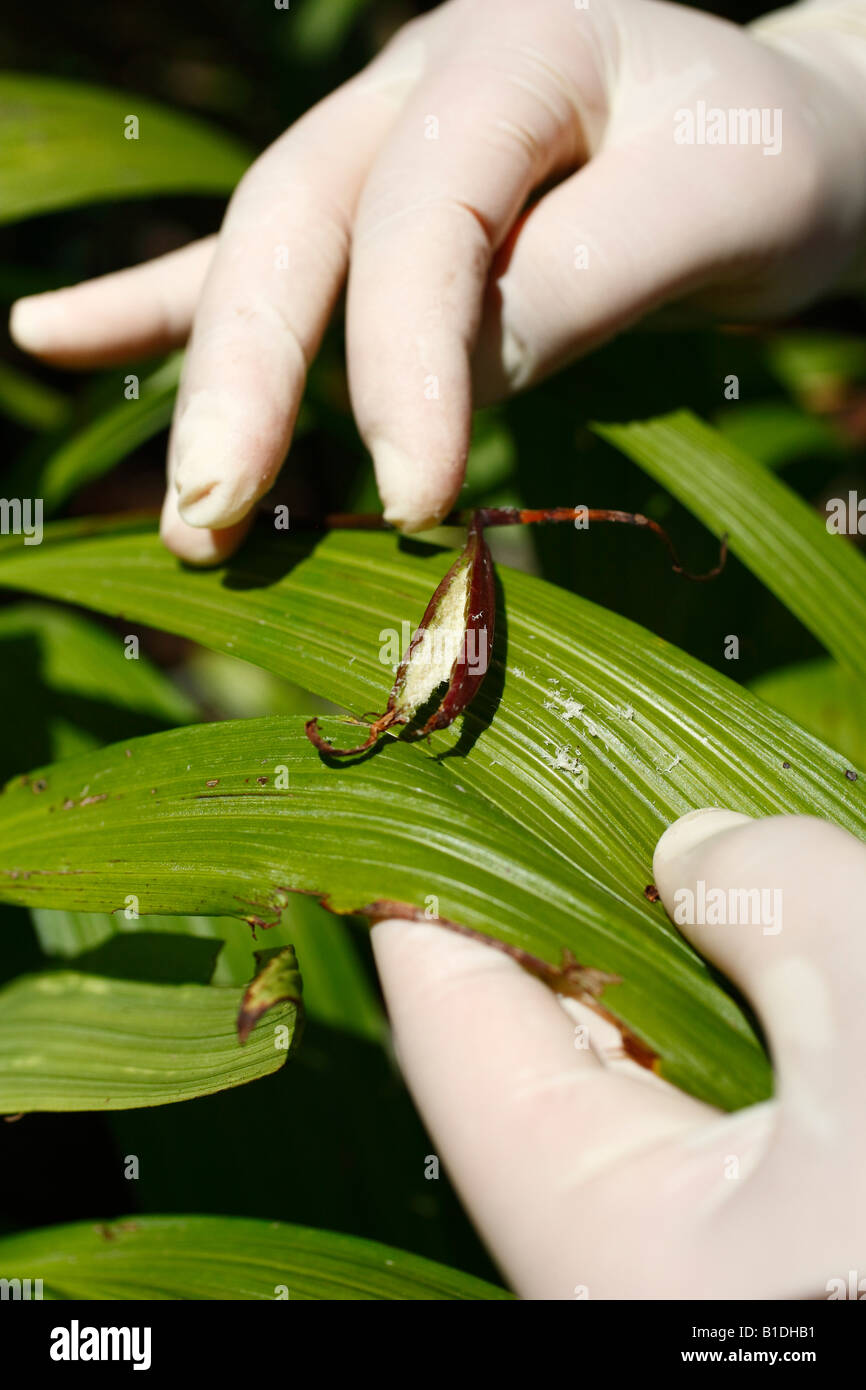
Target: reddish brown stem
523, 516
526, 516
378, 727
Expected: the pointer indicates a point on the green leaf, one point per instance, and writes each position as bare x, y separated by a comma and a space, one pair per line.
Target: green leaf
779, 433
71, 1041
64, 143
820, 577
824, 698
29, 402
71, 934
276, 982
235, 689
510, 838
78, 658
319, 31
100, 444
817, 367
66, 685
224, 1257
336, 988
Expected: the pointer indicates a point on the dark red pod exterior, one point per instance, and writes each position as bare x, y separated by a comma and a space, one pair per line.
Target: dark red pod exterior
471, 665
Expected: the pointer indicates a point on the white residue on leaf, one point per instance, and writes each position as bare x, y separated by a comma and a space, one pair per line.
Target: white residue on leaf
564, 759
564, 706
567, 708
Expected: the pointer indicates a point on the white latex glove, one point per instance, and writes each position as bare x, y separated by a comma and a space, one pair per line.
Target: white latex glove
419, 170
589, 1182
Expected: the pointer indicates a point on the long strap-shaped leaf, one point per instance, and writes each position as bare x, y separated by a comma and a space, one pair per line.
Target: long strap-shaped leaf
70, 1041
66, 143
81, 457
589, 736
224, 1257
819, 576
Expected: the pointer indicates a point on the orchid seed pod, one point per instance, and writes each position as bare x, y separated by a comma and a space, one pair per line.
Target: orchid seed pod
454, 643
451, 647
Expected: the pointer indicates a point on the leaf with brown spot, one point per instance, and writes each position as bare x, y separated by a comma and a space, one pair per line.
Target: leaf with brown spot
277, 981
509, 843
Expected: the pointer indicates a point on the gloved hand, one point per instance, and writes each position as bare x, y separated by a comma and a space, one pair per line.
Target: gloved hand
588, 1181
418, 171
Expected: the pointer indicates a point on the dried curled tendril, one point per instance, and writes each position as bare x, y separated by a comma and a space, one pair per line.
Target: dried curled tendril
454, 642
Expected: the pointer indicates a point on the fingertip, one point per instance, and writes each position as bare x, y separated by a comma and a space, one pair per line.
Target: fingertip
222, 459
748, 892
33, 322
416, 494
198, 545
686, 834
415, 957
695, 850
209, 497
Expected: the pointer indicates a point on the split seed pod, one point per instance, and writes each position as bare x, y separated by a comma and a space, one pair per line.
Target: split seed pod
453, 644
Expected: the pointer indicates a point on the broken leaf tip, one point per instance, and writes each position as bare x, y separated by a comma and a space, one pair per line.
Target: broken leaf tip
277, 981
